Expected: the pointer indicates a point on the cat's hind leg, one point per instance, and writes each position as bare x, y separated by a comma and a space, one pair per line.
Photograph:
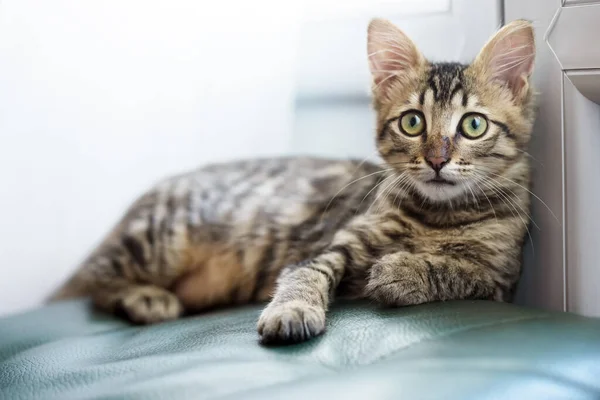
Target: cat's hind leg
122, 281
132, 271
143, 304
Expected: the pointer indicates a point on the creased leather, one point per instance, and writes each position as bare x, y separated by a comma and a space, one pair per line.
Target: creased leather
455, 350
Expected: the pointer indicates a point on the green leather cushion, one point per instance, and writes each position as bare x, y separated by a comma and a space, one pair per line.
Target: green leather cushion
454, 350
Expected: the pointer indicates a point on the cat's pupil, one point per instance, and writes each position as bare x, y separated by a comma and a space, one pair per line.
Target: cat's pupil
475, 123
414, 121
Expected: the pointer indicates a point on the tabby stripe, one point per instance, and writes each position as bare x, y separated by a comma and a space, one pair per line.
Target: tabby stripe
160, 242
433, 87
504, 129
264, 268
344, 252
502, 156
420, 218
395, 151
397, 219
386, 125
135, 249
169, 225
150, 229
395, 236
204, 197
479, 261
433, 283
422, 97
311, 225
275, 169
189, 219
309, 264
364, 239
330, 277
165, 232
456, 89
117, 267
254, 171
474, 256
217, 192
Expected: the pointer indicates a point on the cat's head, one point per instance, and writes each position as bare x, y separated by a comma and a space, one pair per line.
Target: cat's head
447, 127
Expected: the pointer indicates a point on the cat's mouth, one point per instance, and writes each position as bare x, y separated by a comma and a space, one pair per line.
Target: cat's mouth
440, 181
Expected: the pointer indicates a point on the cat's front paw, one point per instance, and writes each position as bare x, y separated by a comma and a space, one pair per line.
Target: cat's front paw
399, 281
290, 322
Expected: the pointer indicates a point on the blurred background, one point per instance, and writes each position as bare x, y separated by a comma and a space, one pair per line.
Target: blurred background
99, 99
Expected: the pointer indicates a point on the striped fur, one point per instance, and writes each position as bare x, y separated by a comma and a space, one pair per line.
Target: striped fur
299, 231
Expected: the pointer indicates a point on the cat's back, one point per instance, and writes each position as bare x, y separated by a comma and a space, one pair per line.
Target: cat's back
273, 187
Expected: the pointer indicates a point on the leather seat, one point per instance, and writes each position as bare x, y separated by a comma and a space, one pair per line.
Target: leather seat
455, 350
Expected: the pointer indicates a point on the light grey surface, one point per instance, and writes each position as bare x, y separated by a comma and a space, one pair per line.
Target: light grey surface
587, 83
575, 2
543, 282
567, 140
582, 143
574, 36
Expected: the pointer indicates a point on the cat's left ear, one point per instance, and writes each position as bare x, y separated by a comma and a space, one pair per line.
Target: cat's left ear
391, 54
508, 57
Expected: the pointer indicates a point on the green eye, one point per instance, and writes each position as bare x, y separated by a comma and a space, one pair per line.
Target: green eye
412, 123
473, 126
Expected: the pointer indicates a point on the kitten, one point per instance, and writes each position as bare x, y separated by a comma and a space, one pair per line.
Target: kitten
445, 218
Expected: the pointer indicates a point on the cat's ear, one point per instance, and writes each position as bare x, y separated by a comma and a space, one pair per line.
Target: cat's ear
508, 57
391, 52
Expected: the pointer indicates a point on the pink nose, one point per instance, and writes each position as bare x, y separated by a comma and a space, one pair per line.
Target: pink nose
437, 163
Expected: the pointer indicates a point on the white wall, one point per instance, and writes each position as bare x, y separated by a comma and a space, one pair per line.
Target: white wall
100, 98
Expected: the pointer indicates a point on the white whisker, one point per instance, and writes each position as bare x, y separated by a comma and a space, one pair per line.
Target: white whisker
354, 181
381, 192
524, 188
370, 191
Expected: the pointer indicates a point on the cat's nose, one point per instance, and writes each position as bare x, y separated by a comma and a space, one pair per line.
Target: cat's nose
437, 163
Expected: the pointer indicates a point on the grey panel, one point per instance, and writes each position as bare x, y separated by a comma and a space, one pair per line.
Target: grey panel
587, 83
543, 280
582, 143
574, 36
575, 2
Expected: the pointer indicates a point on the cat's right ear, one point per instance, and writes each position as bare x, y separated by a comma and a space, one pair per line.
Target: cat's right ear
391, 53
508, 57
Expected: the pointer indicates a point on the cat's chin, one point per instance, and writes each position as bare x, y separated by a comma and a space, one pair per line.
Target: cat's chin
440, 190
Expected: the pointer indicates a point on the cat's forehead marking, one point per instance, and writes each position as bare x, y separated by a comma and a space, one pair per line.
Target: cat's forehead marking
445, 81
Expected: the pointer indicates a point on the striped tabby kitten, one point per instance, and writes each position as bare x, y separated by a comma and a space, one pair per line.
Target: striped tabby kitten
445, 218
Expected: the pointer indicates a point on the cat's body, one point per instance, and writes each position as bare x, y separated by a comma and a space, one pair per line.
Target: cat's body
221, 234
444, 218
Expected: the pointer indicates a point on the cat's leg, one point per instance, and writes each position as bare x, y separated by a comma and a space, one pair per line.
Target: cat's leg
122, 279
297, 310
141, 304
405, 278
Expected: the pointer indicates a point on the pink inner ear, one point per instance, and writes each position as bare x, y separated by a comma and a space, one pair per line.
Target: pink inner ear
513, 58
390, 51
385, 62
